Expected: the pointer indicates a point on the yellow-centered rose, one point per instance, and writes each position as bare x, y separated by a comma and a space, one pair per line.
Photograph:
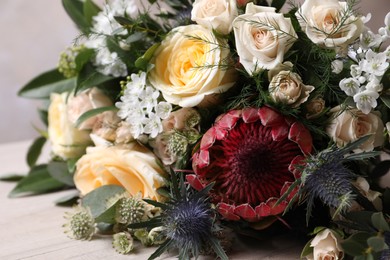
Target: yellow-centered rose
67, 141
189, 65
132, 166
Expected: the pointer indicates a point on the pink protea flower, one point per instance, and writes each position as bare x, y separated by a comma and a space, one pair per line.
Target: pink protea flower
250, 155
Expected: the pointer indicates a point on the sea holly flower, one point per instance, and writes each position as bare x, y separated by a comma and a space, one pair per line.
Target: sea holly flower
250, 155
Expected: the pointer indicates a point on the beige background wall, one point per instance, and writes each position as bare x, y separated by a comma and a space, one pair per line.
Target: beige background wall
33, 33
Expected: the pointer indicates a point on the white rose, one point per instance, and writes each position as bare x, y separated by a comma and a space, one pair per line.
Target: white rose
188, 66
85, 101
326, 246
287, 88
351, 124
215, 14
67, 141
328, 23
262, 37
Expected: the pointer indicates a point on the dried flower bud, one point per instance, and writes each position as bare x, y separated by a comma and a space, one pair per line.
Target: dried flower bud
315, 107
156, 236
130, 210
123, 242
67, 63
142, 236
81, 225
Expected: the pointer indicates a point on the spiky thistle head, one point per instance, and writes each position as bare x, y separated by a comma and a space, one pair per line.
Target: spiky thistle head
188, 224
81, 224
326, 177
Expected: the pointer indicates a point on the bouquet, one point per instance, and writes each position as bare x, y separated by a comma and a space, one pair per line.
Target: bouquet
182, 123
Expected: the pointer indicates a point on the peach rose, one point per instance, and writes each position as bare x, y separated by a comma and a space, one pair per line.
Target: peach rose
287, 88
85, 101
133, 166
262, 37
66, 140
328, 23
351, 124
215, 14
326, 245
188, 66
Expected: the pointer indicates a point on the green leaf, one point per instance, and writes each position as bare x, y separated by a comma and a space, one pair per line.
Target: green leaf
90, 9
74, 8
34, 151
59, 171
68, 200
72, 164
83, 58
377, 243
218, 249
379, 222
93, 112
356, 244
36, 182
43, 115
154, 222
162, 248
137, 36
155, 203
89, 77
307, 249
97, 199
143, 61
385, 100
43, 85
12, 177
108, 216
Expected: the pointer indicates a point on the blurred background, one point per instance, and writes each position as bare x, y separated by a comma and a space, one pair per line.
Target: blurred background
33, 33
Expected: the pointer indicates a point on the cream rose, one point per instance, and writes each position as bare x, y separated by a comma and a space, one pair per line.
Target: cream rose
351, 124
85, 101
287, 88
326, 245
262, 37
134, 167
215, 14
187, 69
328, 23
66, 141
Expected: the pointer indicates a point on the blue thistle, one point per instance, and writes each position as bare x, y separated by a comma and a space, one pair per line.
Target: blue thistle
326, 177
187, 222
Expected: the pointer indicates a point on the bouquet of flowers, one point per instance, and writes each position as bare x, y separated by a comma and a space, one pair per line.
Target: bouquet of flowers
181, 123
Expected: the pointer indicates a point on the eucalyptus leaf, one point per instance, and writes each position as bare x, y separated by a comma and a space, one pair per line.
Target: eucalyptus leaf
36, 182
68, 200
60, 172
93, 112
35, 151
12, 177
75, 8
43, 85
377, 243
108, 216
97, 199
137, 36
356, 244
379, 222
72, 164
83, 57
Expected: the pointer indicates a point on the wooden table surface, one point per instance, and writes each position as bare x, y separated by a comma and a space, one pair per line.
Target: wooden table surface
31, 227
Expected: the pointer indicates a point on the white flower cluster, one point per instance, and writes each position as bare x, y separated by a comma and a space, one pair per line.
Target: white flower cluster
140, 107
104, 24
364, 85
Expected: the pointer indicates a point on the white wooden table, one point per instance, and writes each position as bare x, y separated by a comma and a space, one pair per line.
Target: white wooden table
31, 227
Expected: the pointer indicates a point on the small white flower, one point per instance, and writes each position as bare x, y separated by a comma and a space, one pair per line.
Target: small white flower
163, 109
337, 66
368, 39
374, 85
366, 100
350, 86
375, 63
356, 70
136, 129
153, 125
385, 31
